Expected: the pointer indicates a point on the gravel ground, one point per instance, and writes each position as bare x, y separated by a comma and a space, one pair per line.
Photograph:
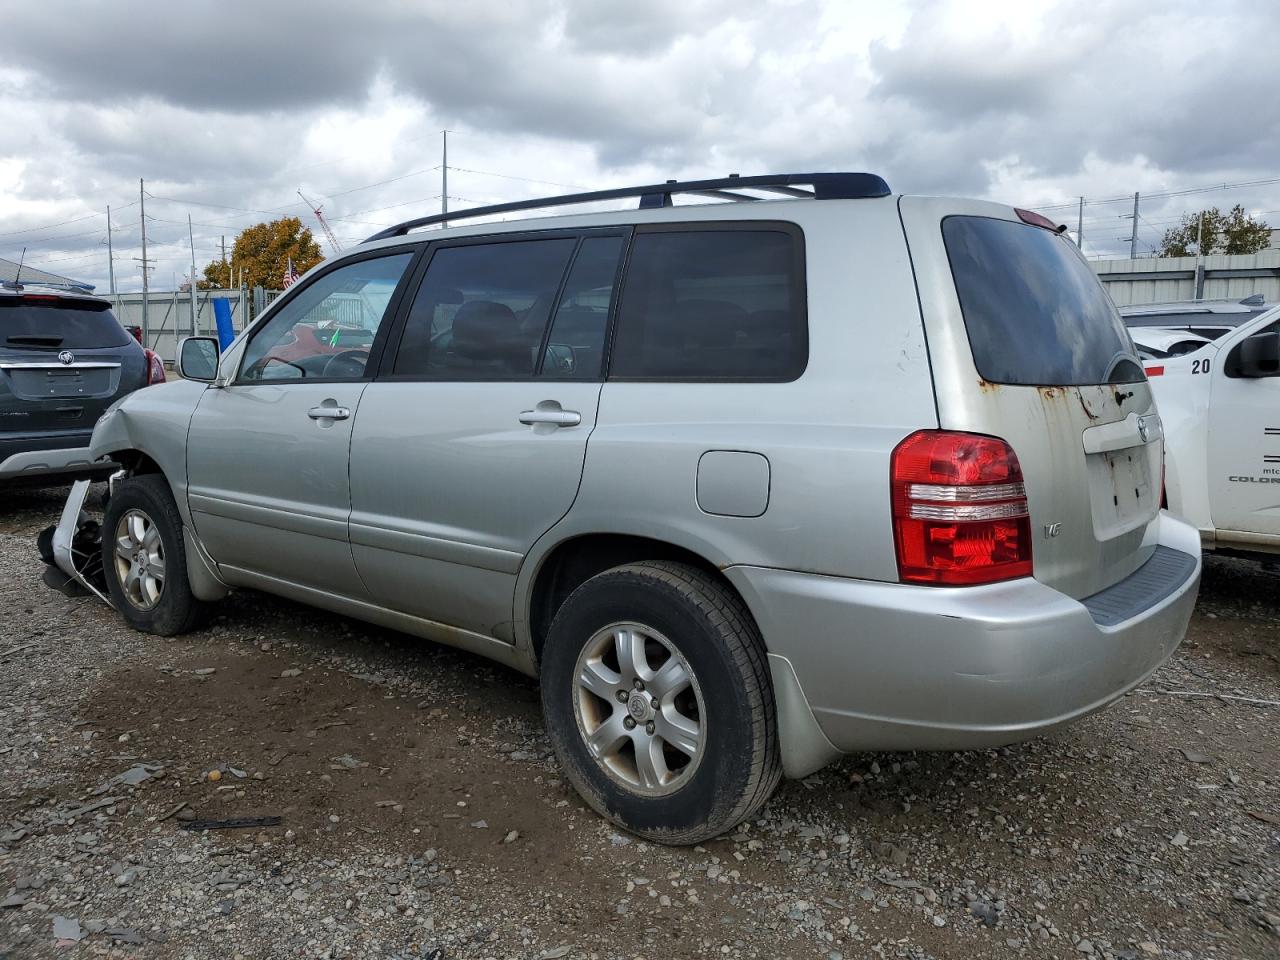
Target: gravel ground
421, 813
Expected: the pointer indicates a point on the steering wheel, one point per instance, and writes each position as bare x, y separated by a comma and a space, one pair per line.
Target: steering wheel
347, 364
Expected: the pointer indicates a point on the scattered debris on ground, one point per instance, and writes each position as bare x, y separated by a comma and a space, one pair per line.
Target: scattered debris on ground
386, 797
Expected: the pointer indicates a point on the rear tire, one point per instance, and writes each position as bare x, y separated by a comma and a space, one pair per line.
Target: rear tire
659, 702
144, 558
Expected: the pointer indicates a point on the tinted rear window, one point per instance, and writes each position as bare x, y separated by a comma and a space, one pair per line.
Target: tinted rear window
1035, 312
58, 325
712, 304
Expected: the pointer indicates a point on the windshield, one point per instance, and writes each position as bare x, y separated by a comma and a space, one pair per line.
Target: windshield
58, 324
1035, 312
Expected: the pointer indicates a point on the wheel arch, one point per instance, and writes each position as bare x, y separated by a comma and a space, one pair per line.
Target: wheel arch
570, 562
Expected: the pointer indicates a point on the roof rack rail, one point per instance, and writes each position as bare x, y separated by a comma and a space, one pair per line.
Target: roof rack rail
823, 186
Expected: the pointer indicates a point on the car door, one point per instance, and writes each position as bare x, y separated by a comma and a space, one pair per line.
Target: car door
470, 443
267, 454
1244, 442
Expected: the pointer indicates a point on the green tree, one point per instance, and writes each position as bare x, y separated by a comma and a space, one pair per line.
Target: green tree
1212, 231
263, 251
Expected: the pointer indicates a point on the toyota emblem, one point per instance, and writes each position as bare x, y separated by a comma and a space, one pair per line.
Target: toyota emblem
66, 357
1144, 429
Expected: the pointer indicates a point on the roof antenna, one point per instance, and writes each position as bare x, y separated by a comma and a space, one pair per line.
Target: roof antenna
17, 285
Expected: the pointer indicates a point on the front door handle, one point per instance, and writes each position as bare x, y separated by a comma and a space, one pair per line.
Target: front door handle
549, 412
327, 412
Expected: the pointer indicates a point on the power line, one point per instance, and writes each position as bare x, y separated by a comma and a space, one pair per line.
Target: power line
382, 183
1184, 192
61, 223
64, 236
50, 226
507, 176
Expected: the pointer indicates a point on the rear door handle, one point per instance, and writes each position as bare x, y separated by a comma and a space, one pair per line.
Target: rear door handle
323, 412
552, 415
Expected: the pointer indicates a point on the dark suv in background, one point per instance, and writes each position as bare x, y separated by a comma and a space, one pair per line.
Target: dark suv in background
64, 358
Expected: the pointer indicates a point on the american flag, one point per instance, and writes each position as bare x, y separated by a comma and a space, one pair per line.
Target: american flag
290, 274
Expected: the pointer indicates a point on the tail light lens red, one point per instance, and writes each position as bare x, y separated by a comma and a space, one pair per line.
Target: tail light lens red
1039, 220
155, 366
960, 512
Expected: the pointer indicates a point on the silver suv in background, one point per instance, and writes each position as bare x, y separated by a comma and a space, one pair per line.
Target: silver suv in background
64, 358
747, 485
1209, 319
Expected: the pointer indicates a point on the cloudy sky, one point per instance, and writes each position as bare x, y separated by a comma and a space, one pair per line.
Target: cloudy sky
226, 109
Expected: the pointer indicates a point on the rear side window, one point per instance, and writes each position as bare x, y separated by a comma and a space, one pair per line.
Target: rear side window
575, 344
482, 309
58, 324
1035, 313
712, 304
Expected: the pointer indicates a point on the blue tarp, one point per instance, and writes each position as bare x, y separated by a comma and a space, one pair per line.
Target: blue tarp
222, 314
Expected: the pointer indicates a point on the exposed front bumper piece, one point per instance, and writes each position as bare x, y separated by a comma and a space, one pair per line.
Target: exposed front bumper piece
887, 666
60, 460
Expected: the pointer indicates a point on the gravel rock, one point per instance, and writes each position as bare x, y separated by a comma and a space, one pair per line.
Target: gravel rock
1058, 842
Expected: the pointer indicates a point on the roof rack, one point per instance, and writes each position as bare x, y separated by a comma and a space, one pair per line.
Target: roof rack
823, 186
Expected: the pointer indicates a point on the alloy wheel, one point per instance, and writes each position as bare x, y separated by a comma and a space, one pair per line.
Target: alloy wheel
639, 708
139, 559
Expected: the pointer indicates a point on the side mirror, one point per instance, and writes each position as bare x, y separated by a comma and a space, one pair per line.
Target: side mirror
1257, 356
198, 359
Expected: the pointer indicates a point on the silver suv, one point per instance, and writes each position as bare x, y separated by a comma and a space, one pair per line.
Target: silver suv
747, 485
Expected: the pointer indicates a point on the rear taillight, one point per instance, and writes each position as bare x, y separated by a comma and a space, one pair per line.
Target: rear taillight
155, 366
960, 512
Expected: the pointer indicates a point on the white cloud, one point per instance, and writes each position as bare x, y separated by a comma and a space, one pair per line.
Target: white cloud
1027, 102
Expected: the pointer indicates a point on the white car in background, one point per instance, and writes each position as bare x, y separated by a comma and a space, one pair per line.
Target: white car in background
1219, 401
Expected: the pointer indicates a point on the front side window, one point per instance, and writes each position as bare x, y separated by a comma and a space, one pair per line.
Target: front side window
327, 330
712, 304
482, 309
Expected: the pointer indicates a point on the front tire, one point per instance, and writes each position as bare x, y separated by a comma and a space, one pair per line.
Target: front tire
658, 700
144, 558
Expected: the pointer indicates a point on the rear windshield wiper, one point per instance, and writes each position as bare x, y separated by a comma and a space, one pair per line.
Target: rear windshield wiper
33, 340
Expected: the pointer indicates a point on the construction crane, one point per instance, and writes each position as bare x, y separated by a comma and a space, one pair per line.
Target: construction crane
324, 224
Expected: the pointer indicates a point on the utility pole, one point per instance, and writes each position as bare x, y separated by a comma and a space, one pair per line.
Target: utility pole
1080, 225
142, 216
1200, 258
224, 260
111, 260
444, 175
1133, 237
192, 240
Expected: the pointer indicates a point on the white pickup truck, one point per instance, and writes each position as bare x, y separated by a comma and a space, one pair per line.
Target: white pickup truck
1220, 406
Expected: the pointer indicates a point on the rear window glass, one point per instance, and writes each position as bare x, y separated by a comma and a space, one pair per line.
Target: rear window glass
712, 305
1035, 313
58, 325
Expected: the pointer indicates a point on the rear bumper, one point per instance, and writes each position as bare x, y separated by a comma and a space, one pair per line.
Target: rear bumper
64, 454
886, 666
